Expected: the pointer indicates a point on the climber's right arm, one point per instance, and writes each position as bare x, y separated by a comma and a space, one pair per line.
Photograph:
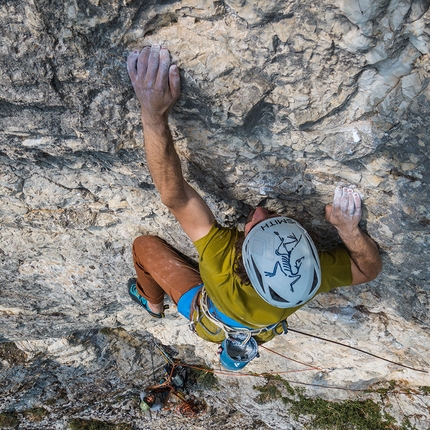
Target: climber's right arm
157, 86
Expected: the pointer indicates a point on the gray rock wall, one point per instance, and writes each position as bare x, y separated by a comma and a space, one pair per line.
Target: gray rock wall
281, 100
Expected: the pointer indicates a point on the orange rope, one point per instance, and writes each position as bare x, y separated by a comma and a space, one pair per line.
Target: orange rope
263, 375
308, 384
233, 373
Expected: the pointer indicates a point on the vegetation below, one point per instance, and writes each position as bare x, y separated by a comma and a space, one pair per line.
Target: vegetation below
317, 413
78, 424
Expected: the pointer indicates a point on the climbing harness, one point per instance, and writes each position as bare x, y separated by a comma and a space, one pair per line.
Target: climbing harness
238, 346
206, 306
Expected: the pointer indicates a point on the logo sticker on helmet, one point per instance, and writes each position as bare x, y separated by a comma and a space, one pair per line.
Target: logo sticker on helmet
284, 250
282, 262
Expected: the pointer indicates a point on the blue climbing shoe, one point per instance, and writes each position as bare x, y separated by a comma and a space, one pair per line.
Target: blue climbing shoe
132, 290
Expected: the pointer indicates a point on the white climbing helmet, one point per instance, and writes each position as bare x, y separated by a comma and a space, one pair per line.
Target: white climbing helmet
282, 262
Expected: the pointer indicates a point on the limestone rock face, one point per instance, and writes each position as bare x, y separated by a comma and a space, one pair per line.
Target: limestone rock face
281, 101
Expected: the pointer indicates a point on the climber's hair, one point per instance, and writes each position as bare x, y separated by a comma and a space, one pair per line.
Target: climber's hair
239, 267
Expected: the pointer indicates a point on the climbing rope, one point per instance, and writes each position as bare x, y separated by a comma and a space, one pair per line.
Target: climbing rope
228, 330
188, 407
357, 349
204, 304
291, 359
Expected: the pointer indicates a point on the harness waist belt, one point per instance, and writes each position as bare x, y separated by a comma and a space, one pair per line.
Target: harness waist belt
185, 303
217, 314
186, 306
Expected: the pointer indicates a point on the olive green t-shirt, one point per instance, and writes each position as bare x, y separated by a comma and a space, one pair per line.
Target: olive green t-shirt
240, 301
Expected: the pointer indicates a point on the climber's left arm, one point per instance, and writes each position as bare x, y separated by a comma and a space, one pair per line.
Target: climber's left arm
345, 214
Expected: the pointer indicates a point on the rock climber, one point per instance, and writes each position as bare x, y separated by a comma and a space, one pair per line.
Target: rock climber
154, 399
248, 282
